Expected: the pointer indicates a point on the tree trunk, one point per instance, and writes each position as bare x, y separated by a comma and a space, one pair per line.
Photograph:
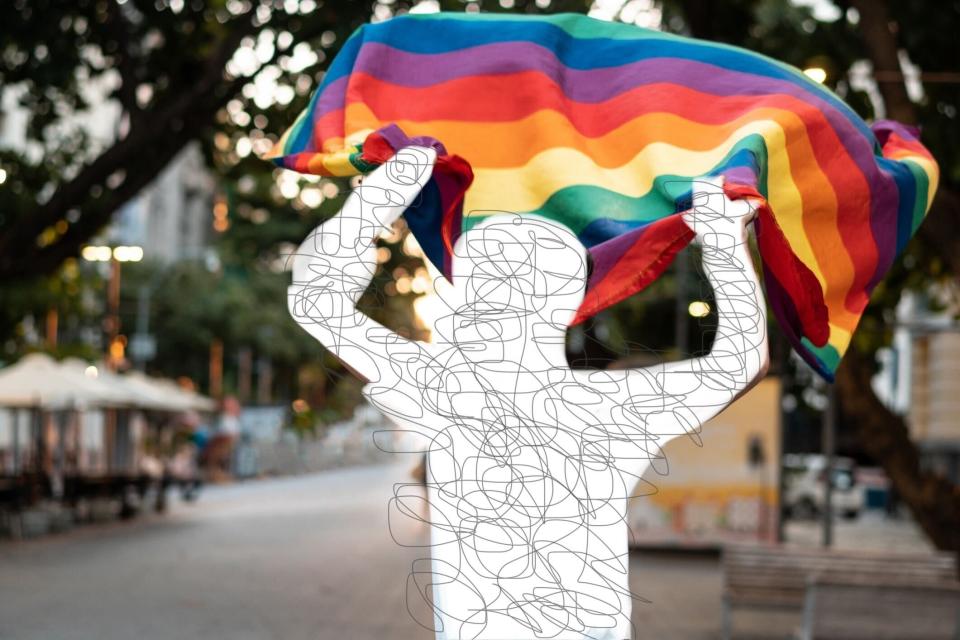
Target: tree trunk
877, 30
933, 500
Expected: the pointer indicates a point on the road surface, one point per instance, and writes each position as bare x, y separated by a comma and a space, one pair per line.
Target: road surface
309, 557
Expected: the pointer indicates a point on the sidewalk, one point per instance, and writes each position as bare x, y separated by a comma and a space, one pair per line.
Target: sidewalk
869, 532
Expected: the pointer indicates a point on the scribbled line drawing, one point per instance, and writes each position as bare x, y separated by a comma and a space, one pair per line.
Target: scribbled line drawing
530, 463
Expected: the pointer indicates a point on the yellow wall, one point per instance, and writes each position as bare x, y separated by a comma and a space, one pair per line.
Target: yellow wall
710, 492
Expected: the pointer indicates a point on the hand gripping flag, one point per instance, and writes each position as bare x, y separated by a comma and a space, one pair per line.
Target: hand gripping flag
602, 127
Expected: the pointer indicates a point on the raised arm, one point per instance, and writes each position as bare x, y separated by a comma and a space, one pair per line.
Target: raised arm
334, 266
695, 390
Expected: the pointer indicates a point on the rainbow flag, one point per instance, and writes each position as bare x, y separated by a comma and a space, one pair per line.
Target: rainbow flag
602, 127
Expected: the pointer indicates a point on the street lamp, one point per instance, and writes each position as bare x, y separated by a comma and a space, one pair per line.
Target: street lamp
120, 253
92, 253
113, 255
128, 253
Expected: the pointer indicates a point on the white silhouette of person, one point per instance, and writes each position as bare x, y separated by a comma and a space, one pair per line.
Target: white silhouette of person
530, 463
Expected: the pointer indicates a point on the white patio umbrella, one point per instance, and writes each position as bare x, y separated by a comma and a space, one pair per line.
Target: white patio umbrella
98, 391
37, 381
144, 394
196, 401
40, 384
168, 394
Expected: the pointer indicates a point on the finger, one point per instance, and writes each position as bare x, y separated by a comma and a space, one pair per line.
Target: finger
394, 186
754, 211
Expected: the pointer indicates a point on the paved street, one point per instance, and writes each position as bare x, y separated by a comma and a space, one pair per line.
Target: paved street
305, 557
309, 557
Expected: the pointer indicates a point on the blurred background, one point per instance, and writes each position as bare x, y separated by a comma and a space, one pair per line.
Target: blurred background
178, 459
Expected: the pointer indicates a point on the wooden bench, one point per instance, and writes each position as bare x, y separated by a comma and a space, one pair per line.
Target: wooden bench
777, 577
849, 608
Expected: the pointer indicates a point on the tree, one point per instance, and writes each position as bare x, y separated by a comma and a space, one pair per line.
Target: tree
932, 498
231, 74
170, 66
880, 33
234, 73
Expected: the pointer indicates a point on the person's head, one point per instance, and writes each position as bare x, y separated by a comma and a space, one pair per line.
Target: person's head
521, 278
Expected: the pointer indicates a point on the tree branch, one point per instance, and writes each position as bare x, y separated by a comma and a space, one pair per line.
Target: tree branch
161, 132
933, 500
881, 42
119, 28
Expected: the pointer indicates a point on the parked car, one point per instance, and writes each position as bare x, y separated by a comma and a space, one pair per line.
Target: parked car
805, 486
